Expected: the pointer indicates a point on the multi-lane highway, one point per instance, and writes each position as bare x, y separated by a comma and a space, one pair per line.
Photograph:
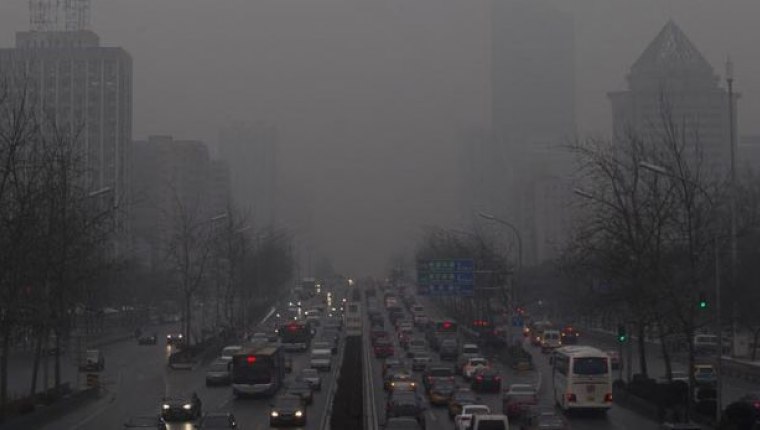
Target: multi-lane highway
136, 379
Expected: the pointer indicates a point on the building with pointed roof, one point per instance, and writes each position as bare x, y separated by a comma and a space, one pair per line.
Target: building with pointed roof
672, 79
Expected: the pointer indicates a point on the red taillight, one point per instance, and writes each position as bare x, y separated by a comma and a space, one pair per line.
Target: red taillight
497, 379
608, 398
756, 404
479, 378
250, 359
570, 397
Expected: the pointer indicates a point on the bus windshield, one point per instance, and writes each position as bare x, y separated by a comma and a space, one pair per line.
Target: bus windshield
590, 366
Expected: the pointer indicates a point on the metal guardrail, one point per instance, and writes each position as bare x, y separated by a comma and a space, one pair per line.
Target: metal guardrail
370, 412
327, 415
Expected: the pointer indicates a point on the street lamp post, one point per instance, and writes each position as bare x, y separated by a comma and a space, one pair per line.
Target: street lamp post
660, 170
513, 296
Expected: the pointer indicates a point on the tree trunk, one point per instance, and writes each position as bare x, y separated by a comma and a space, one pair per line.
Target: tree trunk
641, 329
665, 353
4, 372
36, 363
57, 362
188, 306
692, 380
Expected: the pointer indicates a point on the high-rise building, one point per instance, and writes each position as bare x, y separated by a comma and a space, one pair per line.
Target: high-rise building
672, 81
86, 91
251, 153
173, 178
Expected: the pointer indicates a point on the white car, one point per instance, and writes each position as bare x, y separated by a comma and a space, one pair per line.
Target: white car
229, 351
321, 359
473, 365
463, 421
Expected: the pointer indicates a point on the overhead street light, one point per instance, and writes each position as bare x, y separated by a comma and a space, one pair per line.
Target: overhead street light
220, 217
99, 192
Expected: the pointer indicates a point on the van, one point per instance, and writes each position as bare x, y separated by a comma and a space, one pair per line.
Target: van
551, 339
490, 422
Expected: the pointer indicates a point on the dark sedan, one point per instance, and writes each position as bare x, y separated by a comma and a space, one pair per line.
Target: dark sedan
440, 392
287, 410
486, 381
148, 339
406, 404
180, 408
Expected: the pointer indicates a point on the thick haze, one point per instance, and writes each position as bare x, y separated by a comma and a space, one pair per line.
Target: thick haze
370, 97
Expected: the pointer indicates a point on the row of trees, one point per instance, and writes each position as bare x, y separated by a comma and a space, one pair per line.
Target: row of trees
654, 233
54, 229
221, 262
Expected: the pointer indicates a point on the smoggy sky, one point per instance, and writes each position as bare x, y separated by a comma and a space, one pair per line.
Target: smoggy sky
371, 96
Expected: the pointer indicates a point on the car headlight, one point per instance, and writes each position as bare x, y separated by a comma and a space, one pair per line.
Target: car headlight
274, 414
187, 406
299, 414
165, 406
180, 336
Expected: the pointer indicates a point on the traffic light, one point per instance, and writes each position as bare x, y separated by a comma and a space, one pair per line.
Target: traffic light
622, 335
702, 300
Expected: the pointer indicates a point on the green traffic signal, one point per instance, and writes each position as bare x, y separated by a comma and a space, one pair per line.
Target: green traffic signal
622, 335
702, 300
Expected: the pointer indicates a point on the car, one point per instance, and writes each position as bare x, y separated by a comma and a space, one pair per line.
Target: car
392, 363
544, 418
420, 360
259, 338
93, 361
326, 342
303, 390
402, 423
472, 365
490, 422
174, 338
146, 422
437, 372
551, 339
321, 359
217, 421
148, 339
398, 375
403, 386
181, 408
375, 334
406, 404
287, 410
311, 376
416, 343
440, 391
448, 350
518, 400
460, 398
570, 335
383, 348
469, 350
218, 373
229, 351
705, 374
486, 381
463, 421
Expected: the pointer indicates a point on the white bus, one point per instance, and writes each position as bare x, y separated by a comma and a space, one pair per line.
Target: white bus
353, 319
582, 378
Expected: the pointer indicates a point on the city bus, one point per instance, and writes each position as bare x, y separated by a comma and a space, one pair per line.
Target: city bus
257, 370
295, 336
582, 378
353, 317
439, 329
